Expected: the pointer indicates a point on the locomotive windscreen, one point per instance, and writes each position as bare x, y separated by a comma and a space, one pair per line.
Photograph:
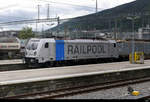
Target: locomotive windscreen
32, 45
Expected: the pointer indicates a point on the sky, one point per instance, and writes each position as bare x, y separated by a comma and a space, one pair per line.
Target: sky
12, 10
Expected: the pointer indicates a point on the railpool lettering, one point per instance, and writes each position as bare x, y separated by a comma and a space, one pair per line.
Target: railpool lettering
70, 49
86, 49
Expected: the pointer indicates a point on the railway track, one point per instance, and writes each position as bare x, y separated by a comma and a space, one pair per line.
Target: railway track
11, 67
81, 89
146, 97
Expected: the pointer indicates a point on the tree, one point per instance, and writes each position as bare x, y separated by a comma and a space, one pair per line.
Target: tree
26, 33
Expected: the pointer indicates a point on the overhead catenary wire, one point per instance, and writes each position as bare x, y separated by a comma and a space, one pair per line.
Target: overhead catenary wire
16, 17
55, 19
68, 4
32, 21
29, 20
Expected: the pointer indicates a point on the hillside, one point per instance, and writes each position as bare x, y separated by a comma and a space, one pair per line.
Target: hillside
106, 18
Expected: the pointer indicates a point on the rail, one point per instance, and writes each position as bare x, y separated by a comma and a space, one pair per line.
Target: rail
79, 90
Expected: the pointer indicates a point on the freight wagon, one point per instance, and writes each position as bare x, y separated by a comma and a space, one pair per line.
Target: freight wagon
9, 47
125, 48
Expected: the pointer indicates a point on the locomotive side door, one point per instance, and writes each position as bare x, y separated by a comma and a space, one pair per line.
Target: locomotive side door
113, 50
45, 52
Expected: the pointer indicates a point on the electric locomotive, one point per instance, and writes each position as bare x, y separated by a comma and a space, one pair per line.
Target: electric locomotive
49, 50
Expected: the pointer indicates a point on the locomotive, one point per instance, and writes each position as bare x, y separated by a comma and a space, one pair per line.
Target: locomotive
51, 51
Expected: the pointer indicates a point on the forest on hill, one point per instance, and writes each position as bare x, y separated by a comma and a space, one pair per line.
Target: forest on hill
112, 18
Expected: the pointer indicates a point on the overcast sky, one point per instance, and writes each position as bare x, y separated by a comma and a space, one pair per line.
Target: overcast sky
11, 10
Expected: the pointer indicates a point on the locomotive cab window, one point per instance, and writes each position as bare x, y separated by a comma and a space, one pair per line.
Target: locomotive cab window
46, 45
114, 45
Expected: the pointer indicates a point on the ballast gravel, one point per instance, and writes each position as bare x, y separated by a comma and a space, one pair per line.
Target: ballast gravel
114, 93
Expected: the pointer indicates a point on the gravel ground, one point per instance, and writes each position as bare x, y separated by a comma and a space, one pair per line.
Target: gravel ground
115, 93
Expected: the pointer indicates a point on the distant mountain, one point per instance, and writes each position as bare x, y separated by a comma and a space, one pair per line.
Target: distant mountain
107, 19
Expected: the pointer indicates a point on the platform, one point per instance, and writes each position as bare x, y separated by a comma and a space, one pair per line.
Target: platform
13, 61
22, 82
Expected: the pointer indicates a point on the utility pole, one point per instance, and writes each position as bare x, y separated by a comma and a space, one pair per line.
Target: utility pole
38, 12
58, 20
133, 35
65, 30
96, 6
38, 17
48, 11
115, 28
109, 24
42, 28
133, 43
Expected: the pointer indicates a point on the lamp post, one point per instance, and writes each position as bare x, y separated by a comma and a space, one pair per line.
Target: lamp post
133, 18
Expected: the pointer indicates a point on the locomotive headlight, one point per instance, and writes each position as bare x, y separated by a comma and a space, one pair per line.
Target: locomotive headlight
32, 60
35, 53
